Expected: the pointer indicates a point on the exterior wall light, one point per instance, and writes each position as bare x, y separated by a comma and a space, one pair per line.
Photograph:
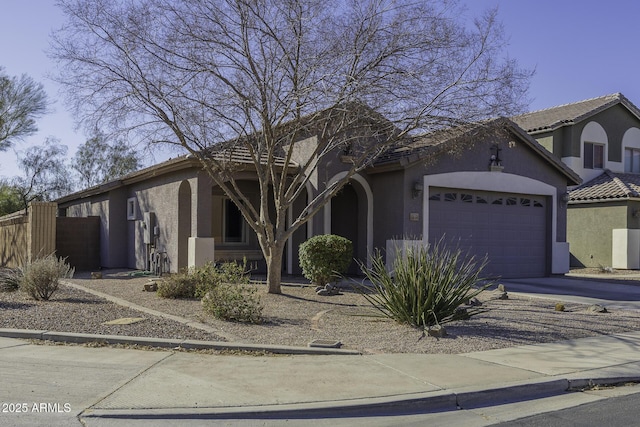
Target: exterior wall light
416, 190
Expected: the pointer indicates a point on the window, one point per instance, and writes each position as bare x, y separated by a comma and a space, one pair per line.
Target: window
512, 201
466, 198
131, 209
632, 160
235, 229
593, 156
450, 197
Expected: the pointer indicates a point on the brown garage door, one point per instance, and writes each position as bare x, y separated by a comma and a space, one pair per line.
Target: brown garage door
511, 229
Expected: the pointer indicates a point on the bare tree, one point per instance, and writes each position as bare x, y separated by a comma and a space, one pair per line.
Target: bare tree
44, 171
98, 160
254, 80
22, 101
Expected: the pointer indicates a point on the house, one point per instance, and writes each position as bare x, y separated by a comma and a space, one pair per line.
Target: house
489, 190
599, 139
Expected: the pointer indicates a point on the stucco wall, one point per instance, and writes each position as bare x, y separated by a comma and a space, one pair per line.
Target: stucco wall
388, 207
517, 159
589, 232
159, 195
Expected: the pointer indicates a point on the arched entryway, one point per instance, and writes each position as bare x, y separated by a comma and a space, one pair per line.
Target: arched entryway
350, 214
184, 223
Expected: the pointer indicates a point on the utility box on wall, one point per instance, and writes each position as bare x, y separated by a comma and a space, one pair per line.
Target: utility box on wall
200, 251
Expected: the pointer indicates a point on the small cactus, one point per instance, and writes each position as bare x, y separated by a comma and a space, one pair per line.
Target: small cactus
559, 306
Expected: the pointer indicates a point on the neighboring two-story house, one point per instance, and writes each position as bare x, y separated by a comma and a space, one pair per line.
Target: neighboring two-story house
599, 139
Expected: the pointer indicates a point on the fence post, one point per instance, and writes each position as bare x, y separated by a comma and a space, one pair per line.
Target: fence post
41, 229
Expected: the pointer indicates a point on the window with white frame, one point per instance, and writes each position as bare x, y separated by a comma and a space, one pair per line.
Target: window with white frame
632, 160
593, 155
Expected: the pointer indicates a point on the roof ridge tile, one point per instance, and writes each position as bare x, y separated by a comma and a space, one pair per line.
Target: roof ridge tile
611, 95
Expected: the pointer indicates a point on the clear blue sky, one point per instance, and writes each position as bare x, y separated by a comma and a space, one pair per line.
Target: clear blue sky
580, 50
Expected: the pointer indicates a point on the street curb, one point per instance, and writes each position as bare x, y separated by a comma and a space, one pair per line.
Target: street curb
78, 338
477, 396
417, 403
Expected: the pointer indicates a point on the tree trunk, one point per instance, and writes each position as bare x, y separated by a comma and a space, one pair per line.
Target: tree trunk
274, 270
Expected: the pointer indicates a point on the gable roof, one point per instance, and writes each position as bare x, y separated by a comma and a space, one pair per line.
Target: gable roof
608, 186
569, 114
422, 147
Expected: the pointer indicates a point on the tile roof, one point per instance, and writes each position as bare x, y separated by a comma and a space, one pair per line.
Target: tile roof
568, 114
239, 155
608, 186
432, 144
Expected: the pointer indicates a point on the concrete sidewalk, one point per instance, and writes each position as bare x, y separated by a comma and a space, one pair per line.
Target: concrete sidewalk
60, 385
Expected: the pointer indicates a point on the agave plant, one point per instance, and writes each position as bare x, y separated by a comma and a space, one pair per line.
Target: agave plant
427, 286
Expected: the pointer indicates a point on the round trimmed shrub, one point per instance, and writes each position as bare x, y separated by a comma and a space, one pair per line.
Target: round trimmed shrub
325, 258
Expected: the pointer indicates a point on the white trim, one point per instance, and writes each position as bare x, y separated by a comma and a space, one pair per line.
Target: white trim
369, 194
498, 182
630, 139
594, 133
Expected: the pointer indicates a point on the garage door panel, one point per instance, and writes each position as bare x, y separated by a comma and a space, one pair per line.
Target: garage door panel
509, 228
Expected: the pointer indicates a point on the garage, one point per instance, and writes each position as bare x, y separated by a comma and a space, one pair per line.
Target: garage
511, 229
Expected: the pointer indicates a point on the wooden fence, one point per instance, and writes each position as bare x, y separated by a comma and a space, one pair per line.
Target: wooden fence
37, 232
25, 236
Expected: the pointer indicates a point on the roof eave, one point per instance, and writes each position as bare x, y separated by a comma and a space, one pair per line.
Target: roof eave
603, 200
169, 166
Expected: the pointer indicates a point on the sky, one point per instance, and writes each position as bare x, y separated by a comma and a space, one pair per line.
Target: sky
580, 49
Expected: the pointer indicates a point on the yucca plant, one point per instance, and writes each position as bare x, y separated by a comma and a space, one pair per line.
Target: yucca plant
427, 286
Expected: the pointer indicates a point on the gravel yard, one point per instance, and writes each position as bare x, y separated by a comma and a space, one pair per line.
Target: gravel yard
299, 316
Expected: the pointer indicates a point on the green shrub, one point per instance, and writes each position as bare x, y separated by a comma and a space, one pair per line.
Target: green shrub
196, 282
233, 302
427, 286
325, 257
10, 279
210, 276
40, 278
180, 285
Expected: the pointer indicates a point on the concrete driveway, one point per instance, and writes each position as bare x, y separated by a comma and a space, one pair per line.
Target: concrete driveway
607, 290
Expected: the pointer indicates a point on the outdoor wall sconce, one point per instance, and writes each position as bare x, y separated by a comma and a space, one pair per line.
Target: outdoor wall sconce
635, 213
416, 190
